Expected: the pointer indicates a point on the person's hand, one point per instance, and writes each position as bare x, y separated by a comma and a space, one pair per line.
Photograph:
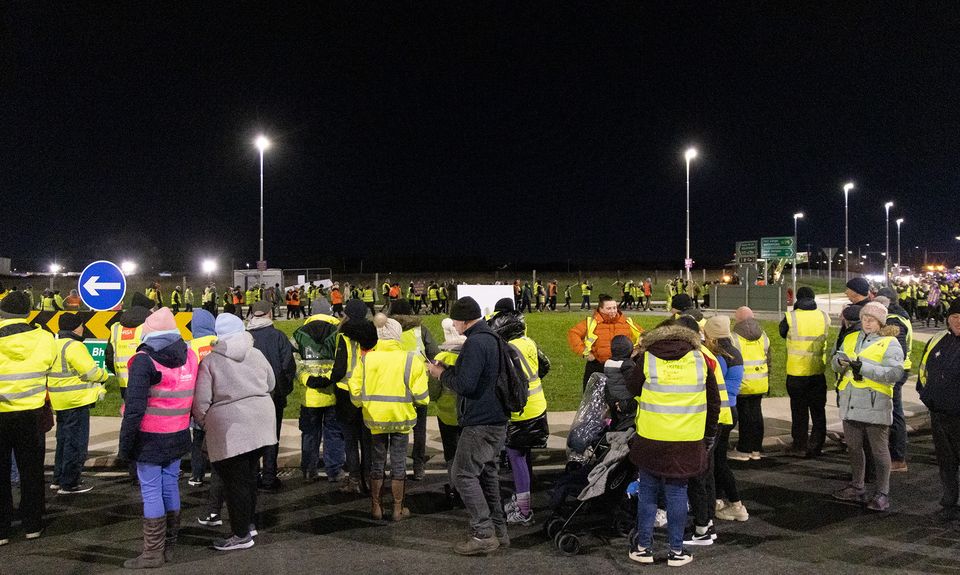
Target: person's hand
856, 365
709, 442
436, 369
591, 357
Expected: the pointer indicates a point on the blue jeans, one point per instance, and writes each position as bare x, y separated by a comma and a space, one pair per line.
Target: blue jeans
675, 491
318, 423
898, 430
158, 487
73, 437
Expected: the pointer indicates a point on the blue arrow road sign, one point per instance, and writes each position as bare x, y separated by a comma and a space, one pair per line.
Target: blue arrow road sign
102, 285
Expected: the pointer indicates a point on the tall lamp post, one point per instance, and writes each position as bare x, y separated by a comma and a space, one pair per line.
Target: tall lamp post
796, 216
886, 254
899, 221
262, 143
55, 268
689, 155
846, 230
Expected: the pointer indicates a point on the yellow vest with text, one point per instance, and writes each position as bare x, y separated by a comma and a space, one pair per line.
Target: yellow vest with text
386, 385
922, 370
125, 341
25, 360
202, 345
322, 397
673, 403
873, 353
447, 402
726, 416
807, 341
756, 376
76, 379
536, 400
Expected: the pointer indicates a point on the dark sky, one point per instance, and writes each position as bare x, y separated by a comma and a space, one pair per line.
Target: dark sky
508, 131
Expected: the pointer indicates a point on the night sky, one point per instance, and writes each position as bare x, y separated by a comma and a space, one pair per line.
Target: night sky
514, 131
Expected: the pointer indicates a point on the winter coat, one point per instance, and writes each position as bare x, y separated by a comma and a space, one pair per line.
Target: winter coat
605, 331
623, 405
169, 350
732, 368
673, 459
232, 401
474, 378
941, 391
868, 405
275, 346
408, 322
804, 304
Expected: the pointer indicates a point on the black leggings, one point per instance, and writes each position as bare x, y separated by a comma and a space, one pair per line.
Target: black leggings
726, 483
239, 476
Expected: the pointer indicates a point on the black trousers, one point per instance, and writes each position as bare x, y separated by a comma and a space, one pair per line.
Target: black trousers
808, 400
420, 438
751, 423
724, 480
20, 434
239, 476
946, 444
702, 494
271, 452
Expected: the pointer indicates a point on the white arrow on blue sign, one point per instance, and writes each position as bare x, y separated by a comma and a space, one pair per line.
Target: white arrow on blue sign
102, 285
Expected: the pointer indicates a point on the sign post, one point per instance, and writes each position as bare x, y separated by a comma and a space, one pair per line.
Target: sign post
102, 285
829, 253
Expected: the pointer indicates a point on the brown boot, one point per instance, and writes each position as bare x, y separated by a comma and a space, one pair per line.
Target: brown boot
376, 509
399, 511
173, 528
351, 485
154, 532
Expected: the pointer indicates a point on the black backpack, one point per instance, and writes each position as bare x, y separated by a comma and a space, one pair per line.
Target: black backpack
512, 383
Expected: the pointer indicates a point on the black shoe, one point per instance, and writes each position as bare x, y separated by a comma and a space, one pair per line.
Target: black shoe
696, 538
675, 559
74, 489
272, 487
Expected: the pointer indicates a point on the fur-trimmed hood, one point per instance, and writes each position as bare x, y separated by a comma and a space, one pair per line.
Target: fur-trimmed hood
670, 342
890, 331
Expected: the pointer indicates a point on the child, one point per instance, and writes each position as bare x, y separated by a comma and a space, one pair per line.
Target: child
623, 406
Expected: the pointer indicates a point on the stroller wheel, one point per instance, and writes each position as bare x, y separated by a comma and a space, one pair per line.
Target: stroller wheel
568, 544
552, 527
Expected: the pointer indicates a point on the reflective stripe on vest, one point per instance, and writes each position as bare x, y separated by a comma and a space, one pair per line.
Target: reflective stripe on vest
922, 371
726, 415
68, 388
872, 354
806, 342
125, 341
169, 402
673, 403
370, 407
322, 397
530, 364
908, 327
353, 354
23, 384
591, 336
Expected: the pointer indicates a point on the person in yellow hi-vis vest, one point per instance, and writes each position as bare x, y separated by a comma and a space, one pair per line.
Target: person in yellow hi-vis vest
27, 354
805, 328
900, 319
74, 386
678, 410
445, 400
754, 346
387, 385
527, 429
356, 335
125, 337
869, 362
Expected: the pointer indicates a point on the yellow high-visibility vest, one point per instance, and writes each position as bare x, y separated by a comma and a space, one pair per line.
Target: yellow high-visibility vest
447, 402
202, 345
726, 416
873, 353
77, 380
673, 403
807, 341
756, 376
353, 356
386, 385
25, 360
125, 341
591, 337
922, 371
530, 363
322, 397
908, 325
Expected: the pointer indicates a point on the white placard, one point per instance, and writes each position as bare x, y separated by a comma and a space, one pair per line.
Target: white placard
486, 295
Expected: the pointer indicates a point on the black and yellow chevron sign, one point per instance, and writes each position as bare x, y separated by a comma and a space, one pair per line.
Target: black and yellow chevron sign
96, 324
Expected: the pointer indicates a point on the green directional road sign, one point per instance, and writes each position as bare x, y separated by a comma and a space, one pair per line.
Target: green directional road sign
98, 350
779, 247
747, 252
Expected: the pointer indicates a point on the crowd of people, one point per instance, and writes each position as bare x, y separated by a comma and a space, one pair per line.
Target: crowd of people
678, 391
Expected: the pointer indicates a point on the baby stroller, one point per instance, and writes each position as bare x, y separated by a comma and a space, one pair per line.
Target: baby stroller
598, 472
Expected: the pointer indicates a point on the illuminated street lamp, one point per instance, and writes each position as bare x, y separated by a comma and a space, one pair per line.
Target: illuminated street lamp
208, 267
846, 229
899, 221
689, 155
128, 267
55, 268
796, 244
262, 143
886, 259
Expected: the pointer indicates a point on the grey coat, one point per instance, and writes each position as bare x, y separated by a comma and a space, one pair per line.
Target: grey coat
867, 405
232, 399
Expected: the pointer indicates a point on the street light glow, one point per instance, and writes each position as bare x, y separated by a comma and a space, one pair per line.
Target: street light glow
262, 143
899, 221
128, 267
55, 268
798, 215
690, 154
888, 205
847, 187
208, 266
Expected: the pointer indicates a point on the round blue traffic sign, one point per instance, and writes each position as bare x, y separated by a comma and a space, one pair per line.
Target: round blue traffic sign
102, 285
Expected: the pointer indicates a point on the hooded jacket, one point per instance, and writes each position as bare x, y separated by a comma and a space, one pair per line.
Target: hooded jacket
203, 323
232, 402
673, 459
750, 330
169, 350
510, 325
606, 330
941, 392
474, 378
863, 404
275, 346
364, 333
617, 369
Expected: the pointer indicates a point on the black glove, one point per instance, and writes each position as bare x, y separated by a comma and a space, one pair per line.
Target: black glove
855, 366
318, 381
709, 442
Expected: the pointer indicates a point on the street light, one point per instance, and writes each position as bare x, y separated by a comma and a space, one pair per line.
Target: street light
796, 216
846, 229
262, 143
208, 267
128, 267
55, 268
899, 221
689, 155
886, 258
